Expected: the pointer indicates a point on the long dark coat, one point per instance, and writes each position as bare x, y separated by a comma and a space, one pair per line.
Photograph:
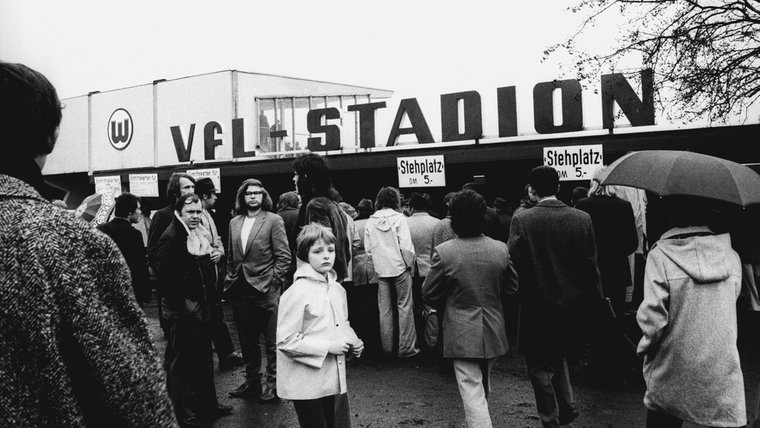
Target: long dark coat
74, 347
616, 238
553, 250
130, 243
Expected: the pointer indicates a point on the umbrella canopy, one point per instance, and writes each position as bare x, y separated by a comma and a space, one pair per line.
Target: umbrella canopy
95, 209
680, 173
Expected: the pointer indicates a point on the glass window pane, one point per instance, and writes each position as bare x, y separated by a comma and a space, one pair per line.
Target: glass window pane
266, 119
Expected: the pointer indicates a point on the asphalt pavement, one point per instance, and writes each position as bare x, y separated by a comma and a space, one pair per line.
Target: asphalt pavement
422, 392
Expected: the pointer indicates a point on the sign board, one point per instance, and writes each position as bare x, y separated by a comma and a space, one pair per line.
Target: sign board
144, 185
574, 163
213, 173
108, 185
421, 171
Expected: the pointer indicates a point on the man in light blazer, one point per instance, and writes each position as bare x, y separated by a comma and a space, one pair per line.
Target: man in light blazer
468, 277
553, 250
258, 257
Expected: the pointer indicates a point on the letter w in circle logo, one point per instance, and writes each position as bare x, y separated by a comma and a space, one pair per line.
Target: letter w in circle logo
120, 129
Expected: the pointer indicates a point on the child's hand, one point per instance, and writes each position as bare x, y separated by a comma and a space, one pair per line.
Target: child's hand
338, 347
356, 349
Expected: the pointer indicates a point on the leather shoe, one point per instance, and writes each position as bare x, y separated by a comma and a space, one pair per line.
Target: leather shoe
234, 359
191, 422
246, 390
568, 417
269, 396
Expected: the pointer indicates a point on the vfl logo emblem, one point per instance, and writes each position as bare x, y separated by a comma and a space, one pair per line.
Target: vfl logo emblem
120, 129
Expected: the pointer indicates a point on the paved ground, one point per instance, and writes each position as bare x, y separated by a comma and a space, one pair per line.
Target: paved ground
414, 393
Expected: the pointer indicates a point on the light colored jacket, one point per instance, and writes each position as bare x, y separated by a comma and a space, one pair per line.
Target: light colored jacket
312, 312
386, 237
688, 321
421, 226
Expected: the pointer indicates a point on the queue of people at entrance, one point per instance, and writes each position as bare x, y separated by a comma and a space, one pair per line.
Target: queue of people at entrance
76, 349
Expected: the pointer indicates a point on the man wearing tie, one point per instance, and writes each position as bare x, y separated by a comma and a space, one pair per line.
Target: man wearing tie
258, 258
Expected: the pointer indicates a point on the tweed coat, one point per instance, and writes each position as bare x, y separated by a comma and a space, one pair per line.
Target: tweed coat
467, 280
553, 250
74, 346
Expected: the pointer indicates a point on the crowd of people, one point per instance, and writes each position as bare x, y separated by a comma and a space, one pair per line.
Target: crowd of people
311, 279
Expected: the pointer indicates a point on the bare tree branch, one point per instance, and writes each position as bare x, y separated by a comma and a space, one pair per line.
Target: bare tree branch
705, 53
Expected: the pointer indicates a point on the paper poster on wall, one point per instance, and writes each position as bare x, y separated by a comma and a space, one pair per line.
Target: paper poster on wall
144, 185
213, 173
108, 185
421, 171
574, 163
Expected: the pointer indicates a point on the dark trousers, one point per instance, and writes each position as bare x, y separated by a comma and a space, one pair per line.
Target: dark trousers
326, 412
362, 313
190, 376
551, 385
256, 314
220, 334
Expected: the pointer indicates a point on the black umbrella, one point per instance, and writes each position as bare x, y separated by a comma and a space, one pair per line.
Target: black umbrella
680, 173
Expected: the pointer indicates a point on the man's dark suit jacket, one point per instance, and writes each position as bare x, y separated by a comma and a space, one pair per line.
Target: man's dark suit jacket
616, 238
182, 275
290, 217
553, 250
130, 243
161, 220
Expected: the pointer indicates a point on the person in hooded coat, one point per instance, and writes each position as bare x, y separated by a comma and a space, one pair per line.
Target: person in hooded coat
688, 320
389, 243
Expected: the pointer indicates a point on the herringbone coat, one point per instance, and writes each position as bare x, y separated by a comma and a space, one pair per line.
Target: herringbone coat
74, 346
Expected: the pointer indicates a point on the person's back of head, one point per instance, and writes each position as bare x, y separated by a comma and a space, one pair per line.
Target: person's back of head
126, 204
388, 197
313, 175
418, 202
544, 180
579, 193
501, 204
471, 185
30, 113
288, 200
348, 209
364, 209
467, 210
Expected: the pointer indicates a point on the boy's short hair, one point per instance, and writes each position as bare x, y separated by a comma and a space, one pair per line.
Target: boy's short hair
310, 234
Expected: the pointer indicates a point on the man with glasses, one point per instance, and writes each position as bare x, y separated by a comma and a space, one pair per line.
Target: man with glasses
258, 257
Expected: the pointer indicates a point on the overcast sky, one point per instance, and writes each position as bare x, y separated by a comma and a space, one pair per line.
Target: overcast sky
415, 48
